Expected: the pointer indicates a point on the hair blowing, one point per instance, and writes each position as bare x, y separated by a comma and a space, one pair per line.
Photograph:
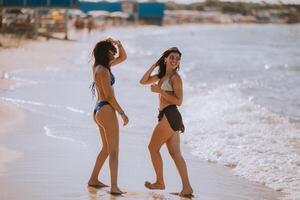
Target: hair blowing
100, 53
161, 61
101, 57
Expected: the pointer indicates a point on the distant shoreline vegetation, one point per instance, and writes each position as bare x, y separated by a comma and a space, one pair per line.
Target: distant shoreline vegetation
249, 11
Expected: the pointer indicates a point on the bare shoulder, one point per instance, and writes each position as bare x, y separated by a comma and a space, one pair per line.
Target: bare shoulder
176, 78
101, 71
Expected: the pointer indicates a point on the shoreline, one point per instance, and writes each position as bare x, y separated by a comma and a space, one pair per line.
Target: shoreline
10, 82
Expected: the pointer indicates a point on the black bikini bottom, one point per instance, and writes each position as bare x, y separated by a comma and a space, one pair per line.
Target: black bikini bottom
99, 105
173, 116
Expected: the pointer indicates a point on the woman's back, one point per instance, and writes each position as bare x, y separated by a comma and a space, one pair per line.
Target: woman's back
98, 87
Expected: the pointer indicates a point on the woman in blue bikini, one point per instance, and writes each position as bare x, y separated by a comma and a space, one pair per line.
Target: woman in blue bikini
105, 110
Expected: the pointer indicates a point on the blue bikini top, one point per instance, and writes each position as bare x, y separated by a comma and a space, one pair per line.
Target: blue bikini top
93, 85
112, 79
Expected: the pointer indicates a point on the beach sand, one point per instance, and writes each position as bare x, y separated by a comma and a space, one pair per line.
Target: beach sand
60, 170
12, 41
21, 54
9, 118
36, 167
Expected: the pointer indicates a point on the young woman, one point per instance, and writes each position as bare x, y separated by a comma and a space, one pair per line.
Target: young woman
106, 108
169, 88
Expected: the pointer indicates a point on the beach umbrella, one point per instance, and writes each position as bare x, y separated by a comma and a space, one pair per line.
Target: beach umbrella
119, 14
98, 13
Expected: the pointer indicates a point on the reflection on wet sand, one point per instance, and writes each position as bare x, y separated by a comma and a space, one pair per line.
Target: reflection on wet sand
96, 194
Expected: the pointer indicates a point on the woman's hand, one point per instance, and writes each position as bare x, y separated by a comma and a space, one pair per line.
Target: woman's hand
121, 51
110, 40
117, 42
156, 63
114, 42
155, 88
125, 119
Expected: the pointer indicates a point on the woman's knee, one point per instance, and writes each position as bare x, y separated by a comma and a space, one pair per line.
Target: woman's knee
104, 151
175, 154
113, 152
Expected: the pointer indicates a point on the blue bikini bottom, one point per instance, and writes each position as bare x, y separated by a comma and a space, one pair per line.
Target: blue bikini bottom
99, 105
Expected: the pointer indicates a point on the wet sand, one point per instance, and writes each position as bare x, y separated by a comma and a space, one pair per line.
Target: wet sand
38, 167
21, 54
9, 118
55, 169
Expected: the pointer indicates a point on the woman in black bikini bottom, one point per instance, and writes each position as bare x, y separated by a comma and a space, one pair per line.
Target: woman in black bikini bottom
168, 84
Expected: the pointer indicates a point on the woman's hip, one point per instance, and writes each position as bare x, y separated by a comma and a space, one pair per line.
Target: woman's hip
173, 116
105, 114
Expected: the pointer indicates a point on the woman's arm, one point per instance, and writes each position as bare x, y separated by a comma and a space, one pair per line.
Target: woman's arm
178, 92
109, 96
147, 78
122, 54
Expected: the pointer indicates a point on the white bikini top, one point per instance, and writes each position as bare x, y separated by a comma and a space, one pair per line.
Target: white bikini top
166, 86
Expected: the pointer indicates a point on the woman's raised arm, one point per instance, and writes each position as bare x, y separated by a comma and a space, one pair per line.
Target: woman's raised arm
148, 78
122, 53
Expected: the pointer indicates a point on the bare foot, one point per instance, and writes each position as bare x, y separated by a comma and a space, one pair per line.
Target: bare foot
154, 186
96, 184
114, 190
188, 193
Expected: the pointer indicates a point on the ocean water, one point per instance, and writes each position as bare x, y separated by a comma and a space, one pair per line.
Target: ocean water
241, 95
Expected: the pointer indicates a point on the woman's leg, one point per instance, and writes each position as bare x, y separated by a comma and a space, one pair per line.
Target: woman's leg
109, 121
94, 182
159, 137
173, 145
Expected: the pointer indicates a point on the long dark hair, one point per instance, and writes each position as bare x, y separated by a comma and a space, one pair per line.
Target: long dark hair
100, 53
161, 61
101, 57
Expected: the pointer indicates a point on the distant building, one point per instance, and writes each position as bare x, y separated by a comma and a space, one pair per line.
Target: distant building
87, 6
39, 3
193, 16
146, 13
151, 12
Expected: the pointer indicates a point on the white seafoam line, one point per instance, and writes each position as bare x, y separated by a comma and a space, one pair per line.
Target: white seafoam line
35, 103
47, 129
76, 110
49, 133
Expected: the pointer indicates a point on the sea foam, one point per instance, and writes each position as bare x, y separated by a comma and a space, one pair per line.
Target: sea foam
225, 127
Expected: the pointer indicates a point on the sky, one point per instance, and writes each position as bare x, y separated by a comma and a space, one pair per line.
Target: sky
192, 1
